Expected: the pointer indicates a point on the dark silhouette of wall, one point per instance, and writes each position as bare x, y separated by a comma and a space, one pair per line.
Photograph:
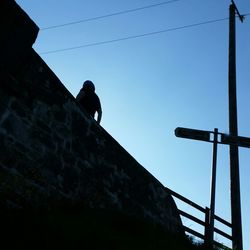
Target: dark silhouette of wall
54, 157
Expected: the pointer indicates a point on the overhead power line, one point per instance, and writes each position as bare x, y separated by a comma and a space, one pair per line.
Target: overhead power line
109, 15
135, 36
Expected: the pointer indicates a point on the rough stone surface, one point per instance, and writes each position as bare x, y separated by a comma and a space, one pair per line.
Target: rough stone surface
53, 154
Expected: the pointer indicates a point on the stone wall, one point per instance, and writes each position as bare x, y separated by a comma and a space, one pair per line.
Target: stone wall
54, 155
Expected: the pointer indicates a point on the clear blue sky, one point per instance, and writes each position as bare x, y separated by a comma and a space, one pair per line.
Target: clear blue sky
152, 84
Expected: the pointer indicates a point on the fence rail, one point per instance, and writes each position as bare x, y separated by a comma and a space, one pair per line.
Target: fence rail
191, 217
205, 223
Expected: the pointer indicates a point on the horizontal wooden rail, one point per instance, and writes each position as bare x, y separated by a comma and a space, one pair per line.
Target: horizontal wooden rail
223, 221
189, 230
191, 217
186, 200
221, 246
223, 234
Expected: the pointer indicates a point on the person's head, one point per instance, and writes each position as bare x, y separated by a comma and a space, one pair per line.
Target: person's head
88, 86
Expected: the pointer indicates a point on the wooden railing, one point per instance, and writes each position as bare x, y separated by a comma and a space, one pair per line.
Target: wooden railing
207, 236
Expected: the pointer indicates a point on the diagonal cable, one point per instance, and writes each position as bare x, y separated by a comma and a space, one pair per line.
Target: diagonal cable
135, 36
108, 15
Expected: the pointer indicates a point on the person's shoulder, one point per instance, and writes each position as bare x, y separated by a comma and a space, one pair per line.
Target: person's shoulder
97, 98
80, 95
94, 95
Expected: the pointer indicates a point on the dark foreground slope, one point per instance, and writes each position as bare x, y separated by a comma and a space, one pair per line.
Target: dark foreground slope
87, 229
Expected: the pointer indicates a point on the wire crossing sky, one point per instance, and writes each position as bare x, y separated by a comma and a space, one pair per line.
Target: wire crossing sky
111, 14
135, 36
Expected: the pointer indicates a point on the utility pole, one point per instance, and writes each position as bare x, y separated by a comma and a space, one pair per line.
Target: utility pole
233, 131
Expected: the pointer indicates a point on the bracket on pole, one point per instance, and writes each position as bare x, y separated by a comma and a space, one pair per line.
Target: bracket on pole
242, 17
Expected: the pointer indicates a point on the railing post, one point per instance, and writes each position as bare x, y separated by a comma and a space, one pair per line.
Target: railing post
207, 231
213, 186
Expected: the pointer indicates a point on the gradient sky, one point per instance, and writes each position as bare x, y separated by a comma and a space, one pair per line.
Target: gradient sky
152, 84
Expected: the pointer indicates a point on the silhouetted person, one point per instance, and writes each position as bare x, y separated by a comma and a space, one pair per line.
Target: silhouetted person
89, 100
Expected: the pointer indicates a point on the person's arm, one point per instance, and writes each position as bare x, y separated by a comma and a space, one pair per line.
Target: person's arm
99, 115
